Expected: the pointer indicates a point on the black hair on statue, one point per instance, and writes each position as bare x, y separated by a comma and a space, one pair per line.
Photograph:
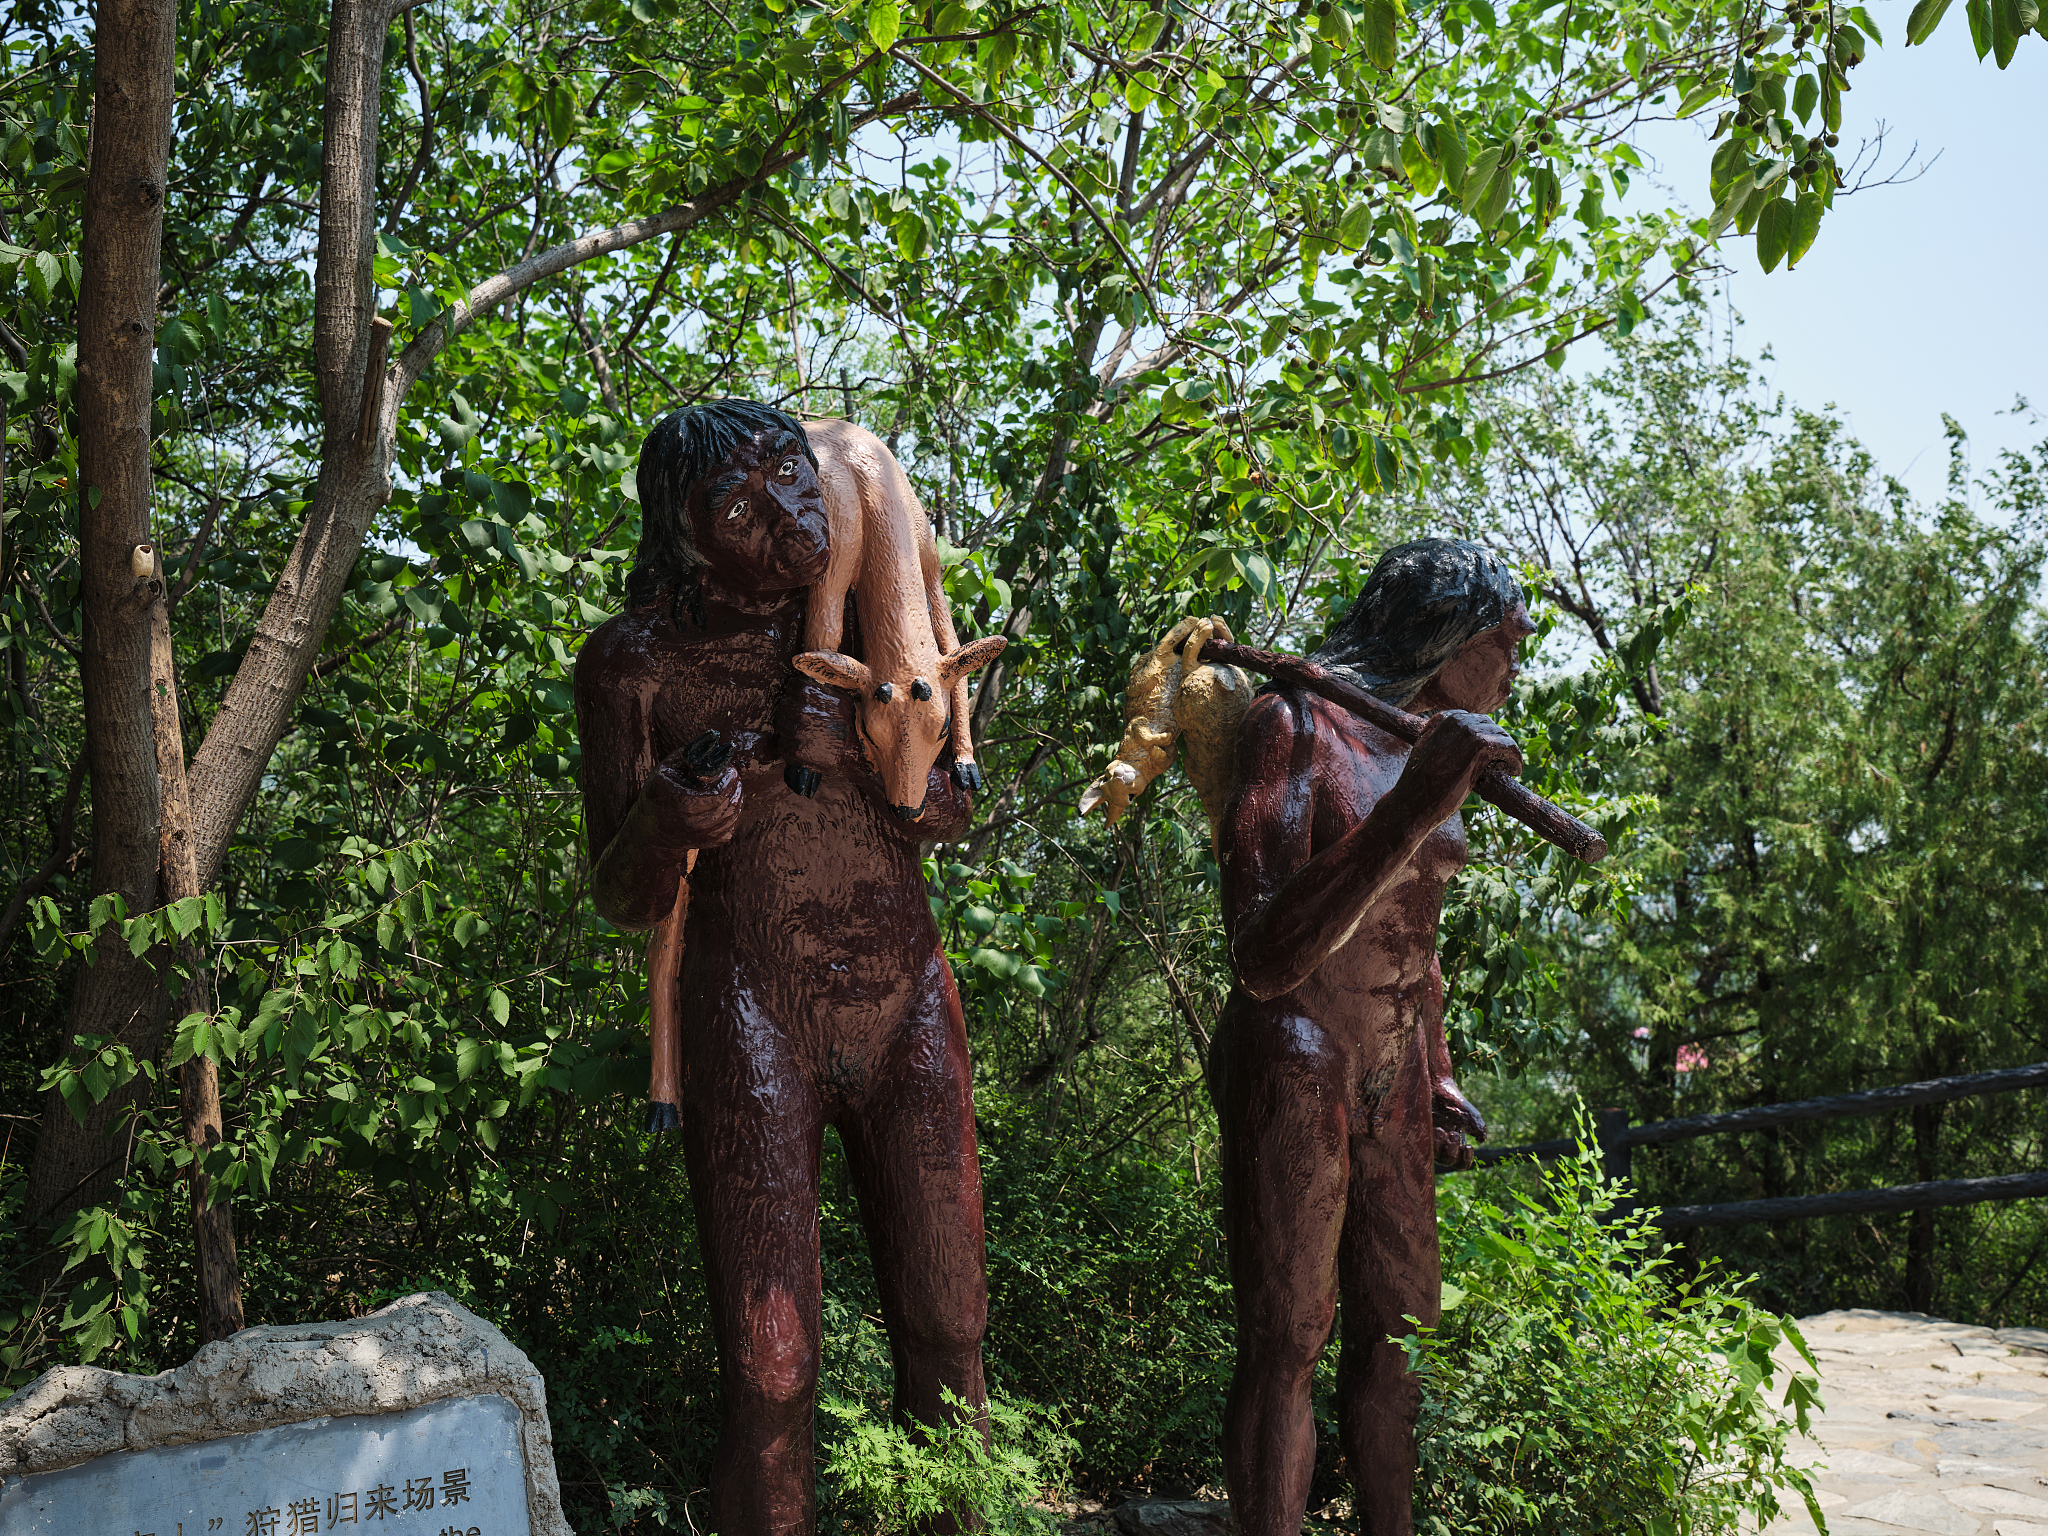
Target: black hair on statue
685, 446
1421, 604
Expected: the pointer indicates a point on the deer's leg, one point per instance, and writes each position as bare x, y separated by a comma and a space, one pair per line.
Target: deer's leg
966, 773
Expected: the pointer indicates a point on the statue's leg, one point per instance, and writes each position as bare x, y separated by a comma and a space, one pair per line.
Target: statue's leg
911, 1151
1281, 1104
1391, 1271
752, 1128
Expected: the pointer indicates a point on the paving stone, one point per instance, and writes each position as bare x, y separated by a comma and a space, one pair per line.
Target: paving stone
1997, 1501
1981, 1407
1870, 1464
1925, 1419
1914, 1511
1970, 1468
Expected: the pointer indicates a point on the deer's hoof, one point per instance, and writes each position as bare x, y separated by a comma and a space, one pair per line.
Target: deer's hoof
804, 781
968, 776
662, 1117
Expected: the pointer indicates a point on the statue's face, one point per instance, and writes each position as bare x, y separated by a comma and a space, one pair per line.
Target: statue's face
1481, 676
759, 517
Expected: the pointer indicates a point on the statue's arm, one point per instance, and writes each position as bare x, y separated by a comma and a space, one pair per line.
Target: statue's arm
1293, 910
641, 814
1453, 1117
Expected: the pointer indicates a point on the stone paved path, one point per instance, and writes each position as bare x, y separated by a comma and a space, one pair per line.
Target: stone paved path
1930, 1427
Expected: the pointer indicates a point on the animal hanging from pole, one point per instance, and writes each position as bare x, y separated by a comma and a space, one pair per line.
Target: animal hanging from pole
1190, 685
1173, 694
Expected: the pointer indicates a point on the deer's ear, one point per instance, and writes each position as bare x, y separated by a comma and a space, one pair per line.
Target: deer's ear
836, 670
970, 658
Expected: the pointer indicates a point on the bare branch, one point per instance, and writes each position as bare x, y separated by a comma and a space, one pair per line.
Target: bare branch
362, 643
493, 291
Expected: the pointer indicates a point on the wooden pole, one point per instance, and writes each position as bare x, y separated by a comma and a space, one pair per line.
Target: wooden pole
1496, 788
213, 1226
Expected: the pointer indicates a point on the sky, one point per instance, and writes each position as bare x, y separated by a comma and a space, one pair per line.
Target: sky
1921, 298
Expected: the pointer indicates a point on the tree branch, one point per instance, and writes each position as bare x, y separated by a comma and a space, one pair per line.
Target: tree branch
487, 295
338, 659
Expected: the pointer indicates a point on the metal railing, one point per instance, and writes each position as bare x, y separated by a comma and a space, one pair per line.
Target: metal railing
1616, 1139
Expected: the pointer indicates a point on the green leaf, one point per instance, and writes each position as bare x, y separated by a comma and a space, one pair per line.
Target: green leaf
1498, 194
1355, 226
913, 236
1805, 226
999, 962
1699, 96
1479, 180
1418, 167
1805, 96
2007, 27
1926, 16
1449, 139
1382, 32
1773, 232
885, 24
500, 1005
1979, 13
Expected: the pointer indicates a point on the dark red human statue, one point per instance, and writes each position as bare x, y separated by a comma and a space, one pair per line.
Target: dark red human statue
813, 990
1329, 1072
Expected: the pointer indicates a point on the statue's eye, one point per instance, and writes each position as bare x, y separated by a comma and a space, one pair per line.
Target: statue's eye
788, 470
736, 511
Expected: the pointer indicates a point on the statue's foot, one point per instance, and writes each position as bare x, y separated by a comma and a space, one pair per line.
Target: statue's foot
968, 776
804, 781
662, 1117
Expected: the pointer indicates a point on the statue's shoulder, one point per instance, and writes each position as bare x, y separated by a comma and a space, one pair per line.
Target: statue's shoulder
619, 638
619, 652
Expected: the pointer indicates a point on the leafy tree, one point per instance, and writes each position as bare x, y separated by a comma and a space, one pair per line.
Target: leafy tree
1156, 304
1839, 886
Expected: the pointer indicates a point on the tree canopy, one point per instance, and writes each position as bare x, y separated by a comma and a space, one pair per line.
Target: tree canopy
1166, 308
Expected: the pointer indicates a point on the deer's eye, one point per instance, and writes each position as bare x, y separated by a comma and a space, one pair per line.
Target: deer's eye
736, 511
788, 469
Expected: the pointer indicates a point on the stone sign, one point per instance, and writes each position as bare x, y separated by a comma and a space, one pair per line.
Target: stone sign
419, 1420
387, 1471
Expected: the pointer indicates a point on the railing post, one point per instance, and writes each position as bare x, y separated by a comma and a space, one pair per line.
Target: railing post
1608, 1126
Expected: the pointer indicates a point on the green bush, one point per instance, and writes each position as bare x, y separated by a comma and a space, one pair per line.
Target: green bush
1575, 1385
880, 1480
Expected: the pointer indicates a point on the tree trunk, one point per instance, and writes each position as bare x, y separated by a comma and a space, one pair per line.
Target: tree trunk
120, 270
353, 482
213, 1226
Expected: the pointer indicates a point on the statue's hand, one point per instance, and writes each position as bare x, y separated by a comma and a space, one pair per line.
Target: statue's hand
694, 794
1457, 746
816, 728
1453, 1117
